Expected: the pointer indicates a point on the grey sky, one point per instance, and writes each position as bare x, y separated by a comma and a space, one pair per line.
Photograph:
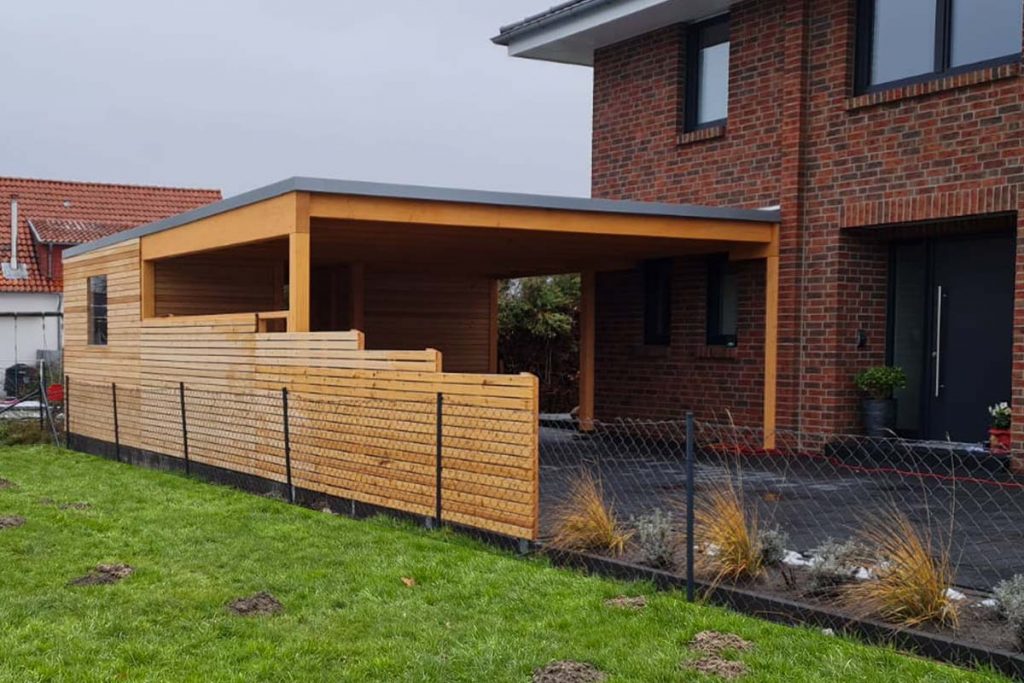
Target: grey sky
239, 93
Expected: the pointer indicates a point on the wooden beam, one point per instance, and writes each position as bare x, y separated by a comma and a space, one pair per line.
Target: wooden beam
299, 264
588, 310
492, 360
253, 223
771, 351
147, 287
357, 289
454, 214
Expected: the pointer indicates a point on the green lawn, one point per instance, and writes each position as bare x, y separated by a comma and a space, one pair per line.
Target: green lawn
474, 613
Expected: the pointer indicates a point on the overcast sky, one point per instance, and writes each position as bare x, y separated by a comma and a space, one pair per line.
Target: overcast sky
239, 93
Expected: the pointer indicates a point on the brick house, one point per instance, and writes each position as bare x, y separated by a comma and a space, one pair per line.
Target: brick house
888, 132
40, 219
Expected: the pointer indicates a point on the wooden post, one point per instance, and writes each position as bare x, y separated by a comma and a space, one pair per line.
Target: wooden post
298, 267
771, 344
147, 285
587, 313
357, 291
492, 351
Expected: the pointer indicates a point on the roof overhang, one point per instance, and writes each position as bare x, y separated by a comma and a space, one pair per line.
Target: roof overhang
572, 31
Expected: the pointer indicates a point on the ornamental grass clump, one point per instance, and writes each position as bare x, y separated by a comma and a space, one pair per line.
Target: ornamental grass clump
727, 535
585, 521
911, 580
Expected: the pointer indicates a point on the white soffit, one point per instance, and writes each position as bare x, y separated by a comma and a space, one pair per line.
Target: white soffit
573, 38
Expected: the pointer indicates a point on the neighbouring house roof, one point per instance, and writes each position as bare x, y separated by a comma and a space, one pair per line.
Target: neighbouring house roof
64, 212
572, 31
438, 194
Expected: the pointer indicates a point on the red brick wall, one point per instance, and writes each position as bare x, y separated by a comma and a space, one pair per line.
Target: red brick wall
798, 137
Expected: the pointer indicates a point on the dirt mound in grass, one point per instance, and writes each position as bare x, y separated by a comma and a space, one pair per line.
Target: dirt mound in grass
715, 643
104, 574
11, 522
569, 672
711, 644
627, 602
261, 603
716, 666
74, 506
6, 484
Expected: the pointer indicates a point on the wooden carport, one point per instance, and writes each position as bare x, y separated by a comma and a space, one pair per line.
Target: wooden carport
492, 235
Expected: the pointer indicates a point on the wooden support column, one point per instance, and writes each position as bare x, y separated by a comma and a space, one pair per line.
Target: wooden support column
771, 344
357, 293
147, 287
588, 310
492, 360
298, 267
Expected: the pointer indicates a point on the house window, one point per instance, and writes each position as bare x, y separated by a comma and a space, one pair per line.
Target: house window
723, 303
906, 41
658, 302
707, 74
98, 310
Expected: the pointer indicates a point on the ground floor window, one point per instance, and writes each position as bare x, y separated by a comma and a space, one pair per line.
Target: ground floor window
98, 310
723, 302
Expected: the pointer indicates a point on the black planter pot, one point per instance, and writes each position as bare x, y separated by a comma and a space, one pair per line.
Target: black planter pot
879, 416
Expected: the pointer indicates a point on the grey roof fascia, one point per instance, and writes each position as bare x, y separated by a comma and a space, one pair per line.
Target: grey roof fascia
562, 12
437, 194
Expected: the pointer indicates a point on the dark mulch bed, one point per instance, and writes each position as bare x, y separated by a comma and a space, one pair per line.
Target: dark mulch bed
254, 605
104, 574
11, 522
569, 672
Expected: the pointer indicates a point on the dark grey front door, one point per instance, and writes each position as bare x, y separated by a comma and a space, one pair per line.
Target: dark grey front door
952, 330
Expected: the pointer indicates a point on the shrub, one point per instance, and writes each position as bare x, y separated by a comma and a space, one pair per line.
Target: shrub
880, 382
655, 538
1001, 414
729, 537
584, 521
22, 433
835, 563
912, 582
773, 546
1010, 594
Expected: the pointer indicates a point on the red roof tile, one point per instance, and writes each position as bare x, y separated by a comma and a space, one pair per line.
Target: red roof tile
85, 211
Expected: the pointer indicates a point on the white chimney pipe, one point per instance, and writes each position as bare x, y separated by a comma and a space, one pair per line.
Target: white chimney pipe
14, 233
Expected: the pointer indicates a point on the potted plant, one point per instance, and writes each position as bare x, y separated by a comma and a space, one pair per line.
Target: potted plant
999, 430
879, 408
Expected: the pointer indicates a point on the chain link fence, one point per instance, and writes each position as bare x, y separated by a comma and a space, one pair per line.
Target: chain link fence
814, 490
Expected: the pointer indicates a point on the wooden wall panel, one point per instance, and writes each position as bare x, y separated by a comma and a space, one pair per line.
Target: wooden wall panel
363, 422
217, 283
451, 313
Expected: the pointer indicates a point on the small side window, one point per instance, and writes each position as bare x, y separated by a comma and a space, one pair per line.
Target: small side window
723, 303
707, 74
658, 302
98, 310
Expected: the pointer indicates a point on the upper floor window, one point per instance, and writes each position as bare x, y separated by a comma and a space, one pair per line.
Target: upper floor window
707, 74
903, 41
98, 310
723, 303
658, 302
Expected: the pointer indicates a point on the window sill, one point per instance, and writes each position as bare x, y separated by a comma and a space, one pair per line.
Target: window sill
940, 84
717, 353
701, 135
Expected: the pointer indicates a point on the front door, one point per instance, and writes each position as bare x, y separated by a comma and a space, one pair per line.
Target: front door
951, 330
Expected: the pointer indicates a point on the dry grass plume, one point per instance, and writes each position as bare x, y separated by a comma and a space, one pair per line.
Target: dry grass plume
585, 521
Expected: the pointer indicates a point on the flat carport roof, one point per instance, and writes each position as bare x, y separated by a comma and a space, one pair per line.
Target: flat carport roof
491, 233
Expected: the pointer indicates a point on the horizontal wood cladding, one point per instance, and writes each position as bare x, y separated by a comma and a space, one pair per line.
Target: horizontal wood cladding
451, 313
209, 284
363, 423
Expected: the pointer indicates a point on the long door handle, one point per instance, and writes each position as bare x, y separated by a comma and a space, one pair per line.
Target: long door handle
938, 341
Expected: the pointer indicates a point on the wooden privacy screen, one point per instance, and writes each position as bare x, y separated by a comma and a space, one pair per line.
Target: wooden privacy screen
363, 424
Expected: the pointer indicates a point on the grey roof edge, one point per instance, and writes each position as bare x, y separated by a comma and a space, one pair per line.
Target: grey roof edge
558, 13
438, 194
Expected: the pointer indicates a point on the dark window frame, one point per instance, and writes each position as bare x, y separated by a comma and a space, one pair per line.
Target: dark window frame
657, 282
703, 34
943, 44
717, 267
98, 335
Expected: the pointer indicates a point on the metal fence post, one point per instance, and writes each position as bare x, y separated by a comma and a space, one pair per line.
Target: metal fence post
67, 411
689, 507
184, 428
287, 445
437, 460
117, 429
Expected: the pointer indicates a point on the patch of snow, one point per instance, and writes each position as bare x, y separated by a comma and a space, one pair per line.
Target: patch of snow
991, 603
795, 559
827, 632
863, 574
955, 595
